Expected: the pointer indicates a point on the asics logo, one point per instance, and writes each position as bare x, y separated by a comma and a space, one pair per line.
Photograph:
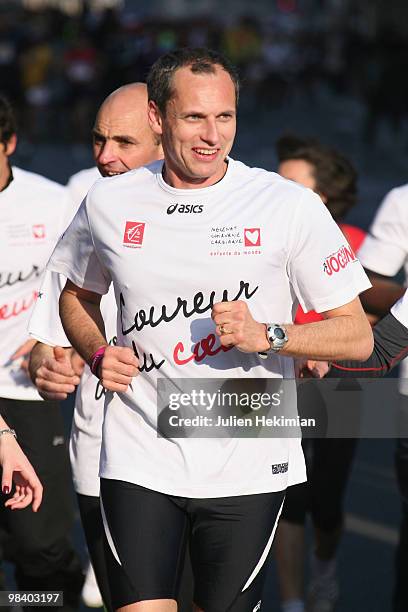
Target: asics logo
258, 606
185, 208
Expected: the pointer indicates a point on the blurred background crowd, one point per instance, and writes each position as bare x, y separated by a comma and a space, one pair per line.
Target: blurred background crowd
333, 69
59, 59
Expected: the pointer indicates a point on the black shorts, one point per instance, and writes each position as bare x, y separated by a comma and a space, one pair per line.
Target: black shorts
229, 538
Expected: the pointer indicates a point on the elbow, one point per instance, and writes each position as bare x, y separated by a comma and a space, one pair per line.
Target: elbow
365, 346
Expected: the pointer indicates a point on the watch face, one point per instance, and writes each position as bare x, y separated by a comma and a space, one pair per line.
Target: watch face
279, 333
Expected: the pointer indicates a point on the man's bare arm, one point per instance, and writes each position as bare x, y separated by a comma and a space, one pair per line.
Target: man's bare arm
82, 319
83, 324
382, 295
345, 331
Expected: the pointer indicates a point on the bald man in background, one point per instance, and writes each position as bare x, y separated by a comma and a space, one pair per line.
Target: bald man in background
122, 141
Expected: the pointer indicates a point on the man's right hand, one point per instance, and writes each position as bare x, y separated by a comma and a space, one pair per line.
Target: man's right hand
56, 377
117, 368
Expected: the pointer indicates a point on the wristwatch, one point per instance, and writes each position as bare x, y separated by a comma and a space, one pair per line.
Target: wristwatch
277, 338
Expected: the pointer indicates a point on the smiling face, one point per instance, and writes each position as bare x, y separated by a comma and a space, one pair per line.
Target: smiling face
122, 138
198, 127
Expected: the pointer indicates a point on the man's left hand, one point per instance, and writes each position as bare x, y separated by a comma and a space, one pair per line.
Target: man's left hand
235, 326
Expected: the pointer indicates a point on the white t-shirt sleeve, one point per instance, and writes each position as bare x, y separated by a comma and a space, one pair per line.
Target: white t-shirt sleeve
323, 270
400, 309
75, 256
75, 192
45, 323
385, 249
69, 209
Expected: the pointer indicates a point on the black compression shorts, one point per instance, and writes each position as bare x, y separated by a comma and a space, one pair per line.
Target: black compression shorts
229, 538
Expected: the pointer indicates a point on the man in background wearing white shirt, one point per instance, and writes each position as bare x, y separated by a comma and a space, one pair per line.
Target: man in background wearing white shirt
122, 140
33, 212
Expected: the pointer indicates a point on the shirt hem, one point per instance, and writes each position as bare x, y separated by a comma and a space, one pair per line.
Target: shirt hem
82, 488
225, 489
61, 268
30, 396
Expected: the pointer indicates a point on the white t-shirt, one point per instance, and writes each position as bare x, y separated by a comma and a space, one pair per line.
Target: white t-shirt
45, 326
33, 213
171, 254
400, 309
385, 249
80, 183
86, 431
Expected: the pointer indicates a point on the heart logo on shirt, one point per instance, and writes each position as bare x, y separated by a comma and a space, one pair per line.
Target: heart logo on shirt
252, 237
39, 231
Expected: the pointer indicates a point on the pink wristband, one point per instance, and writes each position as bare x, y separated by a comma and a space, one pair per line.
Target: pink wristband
96, 359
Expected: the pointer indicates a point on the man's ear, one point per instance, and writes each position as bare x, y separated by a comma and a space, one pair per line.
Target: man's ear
11, 144
155, 118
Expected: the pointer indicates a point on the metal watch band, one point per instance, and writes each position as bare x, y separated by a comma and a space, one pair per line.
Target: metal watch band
275, 343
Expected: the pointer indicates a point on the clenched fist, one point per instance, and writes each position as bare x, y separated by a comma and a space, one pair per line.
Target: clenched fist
118, 367
235, 326
56, 377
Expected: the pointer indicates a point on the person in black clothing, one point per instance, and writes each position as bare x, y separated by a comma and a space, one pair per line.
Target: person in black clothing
390, 348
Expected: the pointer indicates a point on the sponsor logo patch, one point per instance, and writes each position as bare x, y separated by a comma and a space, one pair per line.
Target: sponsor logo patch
39, 231
339, 260
234, 241
133, 236
280, 468
252, 237
185, 209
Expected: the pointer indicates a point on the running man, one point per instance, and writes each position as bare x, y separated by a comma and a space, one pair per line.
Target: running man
162, 236
122, 140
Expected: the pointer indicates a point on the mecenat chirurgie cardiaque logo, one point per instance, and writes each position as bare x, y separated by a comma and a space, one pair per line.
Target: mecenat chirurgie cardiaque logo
185, 209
